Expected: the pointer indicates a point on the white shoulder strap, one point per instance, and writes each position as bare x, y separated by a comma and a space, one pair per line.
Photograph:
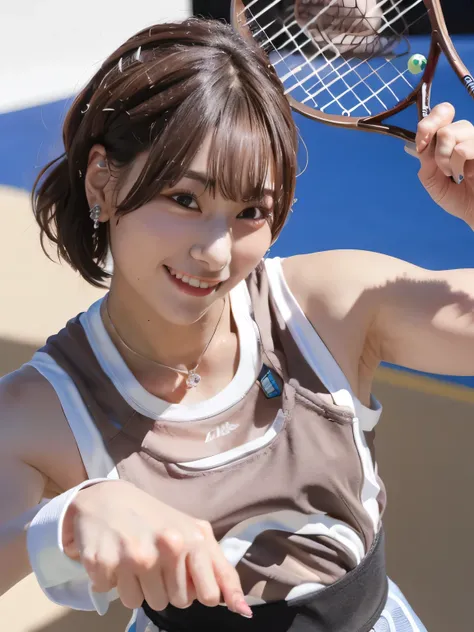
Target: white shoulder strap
95, 457
315, 352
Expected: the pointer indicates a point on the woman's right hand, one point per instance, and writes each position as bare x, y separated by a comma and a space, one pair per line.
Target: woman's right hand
150, 551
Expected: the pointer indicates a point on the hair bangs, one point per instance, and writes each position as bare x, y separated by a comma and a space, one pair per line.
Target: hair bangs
249, 153
241, 164
172, 150
252, 152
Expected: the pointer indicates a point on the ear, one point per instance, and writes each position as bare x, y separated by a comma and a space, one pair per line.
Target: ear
99, 183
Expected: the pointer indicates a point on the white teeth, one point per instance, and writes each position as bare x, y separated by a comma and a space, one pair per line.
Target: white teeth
189, 280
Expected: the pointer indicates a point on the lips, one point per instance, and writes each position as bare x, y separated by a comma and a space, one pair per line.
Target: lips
192, 285
192, 280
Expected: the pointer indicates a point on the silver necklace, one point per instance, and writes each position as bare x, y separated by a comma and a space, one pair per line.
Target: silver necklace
192, 377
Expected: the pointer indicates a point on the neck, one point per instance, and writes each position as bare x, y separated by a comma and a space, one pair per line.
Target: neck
146, 340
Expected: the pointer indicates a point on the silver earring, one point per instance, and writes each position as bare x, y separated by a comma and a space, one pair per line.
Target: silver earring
94, 214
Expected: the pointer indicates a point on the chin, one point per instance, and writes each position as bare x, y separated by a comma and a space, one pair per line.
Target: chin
183, 313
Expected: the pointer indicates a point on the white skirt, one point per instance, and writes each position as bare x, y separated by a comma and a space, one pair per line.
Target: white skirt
398, 615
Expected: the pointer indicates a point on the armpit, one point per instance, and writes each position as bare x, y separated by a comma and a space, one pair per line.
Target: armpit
34, 427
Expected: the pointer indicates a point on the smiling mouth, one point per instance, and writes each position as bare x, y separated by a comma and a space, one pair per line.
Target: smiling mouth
191, 284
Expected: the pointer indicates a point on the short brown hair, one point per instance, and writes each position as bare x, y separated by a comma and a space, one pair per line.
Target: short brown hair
164, 90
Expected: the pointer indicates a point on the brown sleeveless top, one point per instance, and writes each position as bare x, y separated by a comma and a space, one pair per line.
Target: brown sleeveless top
283, 472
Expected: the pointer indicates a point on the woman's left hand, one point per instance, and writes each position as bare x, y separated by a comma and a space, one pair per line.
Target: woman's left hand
446, 149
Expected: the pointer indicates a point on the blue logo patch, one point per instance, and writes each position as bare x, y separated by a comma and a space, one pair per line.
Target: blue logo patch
269, 383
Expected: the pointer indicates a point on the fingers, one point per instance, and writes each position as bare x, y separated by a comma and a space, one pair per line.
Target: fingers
440, 116
153, 588
144, 571
102, 571
454, 145
463, 152
138, 560
173, 554
170, 561
147, 568
443, 145
201, 573
215, 575
130, 591
229, 584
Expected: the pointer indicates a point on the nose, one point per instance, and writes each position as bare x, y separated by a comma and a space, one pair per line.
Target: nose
214, 248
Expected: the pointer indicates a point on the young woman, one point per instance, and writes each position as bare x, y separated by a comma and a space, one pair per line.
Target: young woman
205, 431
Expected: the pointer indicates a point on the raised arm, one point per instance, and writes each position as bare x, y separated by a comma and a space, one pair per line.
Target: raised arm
371, 307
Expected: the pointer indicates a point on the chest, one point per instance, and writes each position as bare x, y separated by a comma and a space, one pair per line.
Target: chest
293, 453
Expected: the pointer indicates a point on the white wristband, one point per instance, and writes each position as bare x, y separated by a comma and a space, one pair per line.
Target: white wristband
63, 580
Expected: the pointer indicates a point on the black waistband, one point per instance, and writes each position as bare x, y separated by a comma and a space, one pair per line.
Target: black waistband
352, 604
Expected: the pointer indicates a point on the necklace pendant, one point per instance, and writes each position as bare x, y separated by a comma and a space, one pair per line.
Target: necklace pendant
193, 379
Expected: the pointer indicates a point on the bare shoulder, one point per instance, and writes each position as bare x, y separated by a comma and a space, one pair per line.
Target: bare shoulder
34, 429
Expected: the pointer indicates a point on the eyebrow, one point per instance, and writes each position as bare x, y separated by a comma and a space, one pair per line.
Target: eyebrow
196, 175
203, 179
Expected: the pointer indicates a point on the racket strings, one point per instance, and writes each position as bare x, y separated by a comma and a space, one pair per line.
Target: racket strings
340, 71
339, 56
300, 45
311, 93
289, 26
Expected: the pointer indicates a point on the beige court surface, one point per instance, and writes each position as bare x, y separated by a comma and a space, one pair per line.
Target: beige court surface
425, 450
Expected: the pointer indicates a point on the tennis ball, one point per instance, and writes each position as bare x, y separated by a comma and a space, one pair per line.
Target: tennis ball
416, 64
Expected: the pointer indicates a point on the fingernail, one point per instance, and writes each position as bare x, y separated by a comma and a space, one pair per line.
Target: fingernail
460, 178
242, 607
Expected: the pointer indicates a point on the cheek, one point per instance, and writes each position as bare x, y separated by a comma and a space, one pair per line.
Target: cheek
145, 235
249, 250
131, 245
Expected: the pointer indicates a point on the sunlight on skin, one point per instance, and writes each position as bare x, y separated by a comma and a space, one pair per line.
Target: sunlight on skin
187, 229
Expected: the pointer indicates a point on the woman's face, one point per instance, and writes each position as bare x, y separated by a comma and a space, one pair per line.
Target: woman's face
187, 247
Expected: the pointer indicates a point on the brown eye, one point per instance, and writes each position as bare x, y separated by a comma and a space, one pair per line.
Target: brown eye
185, 199
254, 213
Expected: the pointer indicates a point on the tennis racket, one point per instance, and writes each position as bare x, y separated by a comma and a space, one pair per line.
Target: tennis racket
350, 63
